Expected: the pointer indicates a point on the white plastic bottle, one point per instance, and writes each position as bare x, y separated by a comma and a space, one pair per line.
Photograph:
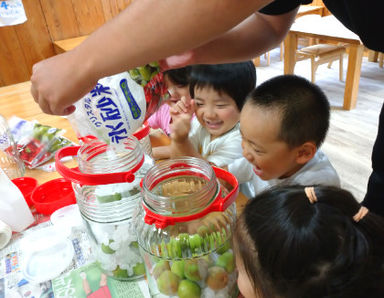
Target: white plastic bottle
14, 210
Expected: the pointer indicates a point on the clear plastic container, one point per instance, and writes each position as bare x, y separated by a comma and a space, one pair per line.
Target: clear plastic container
184, 228
107, 189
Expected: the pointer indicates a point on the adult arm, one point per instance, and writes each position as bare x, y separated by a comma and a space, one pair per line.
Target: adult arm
254, 36
146, 31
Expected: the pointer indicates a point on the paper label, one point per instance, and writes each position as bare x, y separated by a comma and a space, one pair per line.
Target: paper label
12, 13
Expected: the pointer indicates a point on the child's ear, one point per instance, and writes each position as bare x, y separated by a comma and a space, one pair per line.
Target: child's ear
306, 152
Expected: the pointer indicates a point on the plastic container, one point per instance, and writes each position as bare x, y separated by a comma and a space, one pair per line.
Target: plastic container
26, 186
46, 254
14, 210
184, 229
64, 219
53, 195
107, 188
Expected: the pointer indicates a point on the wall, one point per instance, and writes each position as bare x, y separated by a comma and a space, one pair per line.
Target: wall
48, 20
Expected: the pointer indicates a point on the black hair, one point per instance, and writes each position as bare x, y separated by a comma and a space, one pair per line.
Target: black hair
303, 106
179, 76
297, 249
234, 79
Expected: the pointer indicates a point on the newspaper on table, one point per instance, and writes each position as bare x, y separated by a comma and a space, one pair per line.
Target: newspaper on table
13, 283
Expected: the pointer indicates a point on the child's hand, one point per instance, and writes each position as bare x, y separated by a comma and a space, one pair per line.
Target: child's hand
181, 114
183, 106
180, 127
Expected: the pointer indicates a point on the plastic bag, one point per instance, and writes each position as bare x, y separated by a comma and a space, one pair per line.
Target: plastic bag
36, 143
119, 104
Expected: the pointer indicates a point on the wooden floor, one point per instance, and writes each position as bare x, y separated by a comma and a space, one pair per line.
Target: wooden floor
352, 133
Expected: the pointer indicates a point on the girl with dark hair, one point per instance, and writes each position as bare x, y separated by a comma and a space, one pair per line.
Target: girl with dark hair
177, 81
310, 242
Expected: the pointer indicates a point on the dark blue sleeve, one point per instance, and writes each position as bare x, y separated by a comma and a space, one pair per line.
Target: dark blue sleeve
282, 6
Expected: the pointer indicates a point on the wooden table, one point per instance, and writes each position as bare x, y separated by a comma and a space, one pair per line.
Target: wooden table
64, 45
330, 29
16, 100
309, 9
303, 10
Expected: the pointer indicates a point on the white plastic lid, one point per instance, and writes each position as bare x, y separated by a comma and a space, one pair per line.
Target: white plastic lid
46, 254
65, 218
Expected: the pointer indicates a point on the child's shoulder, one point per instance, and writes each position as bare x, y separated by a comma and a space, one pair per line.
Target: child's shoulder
318, 170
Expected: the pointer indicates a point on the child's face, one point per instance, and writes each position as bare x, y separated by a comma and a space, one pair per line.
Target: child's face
271, 157
217, 112
175, 91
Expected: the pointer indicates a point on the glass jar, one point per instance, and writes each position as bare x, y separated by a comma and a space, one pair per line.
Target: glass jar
107, 189
143, 136
184, 228
10, 161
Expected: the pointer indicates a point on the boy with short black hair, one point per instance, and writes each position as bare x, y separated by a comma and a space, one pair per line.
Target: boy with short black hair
219, 92
283, 123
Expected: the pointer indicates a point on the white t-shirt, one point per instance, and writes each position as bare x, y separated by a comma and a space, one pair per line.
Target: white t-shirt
220, 151
317, 171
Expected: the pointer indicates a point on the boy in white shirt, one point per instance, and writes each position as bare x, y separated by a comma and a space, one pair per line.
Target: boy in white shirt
283, 123
218, 92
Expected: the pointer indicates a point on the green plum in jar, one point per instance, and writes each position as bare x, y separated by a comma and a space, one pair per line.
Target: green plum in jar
184, 229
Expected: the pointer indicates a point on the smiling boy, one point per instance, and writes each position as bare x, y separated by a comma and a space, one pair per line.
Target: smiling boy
283, 123
218, 92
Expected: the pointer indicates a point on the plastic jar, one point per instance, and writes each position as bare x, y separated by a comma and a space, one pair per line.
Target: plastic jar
107, 189
184, 227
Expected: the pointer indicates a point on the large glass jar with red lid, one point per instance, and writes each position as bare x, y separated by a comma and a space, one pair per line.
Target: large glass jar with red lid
107, 189
184, 228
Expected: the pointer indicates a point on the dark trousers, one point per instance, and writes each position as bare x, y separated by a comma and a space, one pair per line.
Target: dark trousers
374, 199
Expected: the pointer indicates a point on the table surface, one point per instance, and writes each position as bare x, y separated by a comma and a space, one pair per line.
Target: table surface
16, 100
309, 9
328, 27
332, 30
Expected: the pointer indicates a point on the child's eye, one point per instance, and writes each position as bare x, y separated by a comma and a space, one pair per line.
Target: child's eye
199, 104
257, 151
221, 106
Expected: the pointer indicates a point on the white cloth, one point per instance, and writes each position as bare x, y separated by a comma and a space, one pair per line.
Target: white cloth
220, 151
317, 171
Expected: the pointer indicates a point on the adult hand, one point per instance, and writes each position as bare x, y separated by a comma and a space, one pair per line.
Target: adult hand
60, 81
177, 61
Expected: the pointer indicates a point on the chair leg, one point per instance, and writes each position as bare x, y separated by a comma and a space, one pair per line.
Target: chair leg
281, 51
267, 56
381, 60
341, 67
313, 70
256, 61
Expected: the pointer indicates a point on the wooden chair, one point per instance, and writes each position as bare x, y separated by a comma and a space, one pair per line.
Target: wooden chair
380, 57
320, 54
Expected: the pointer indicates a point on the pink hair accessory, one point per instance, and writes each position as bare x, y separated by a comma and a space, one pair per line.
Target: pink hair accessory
360, 214
310, 193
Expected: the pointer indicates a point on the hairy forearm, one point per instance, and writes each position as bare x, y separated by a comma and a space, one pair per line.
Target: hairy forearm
150, 29
254, 36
